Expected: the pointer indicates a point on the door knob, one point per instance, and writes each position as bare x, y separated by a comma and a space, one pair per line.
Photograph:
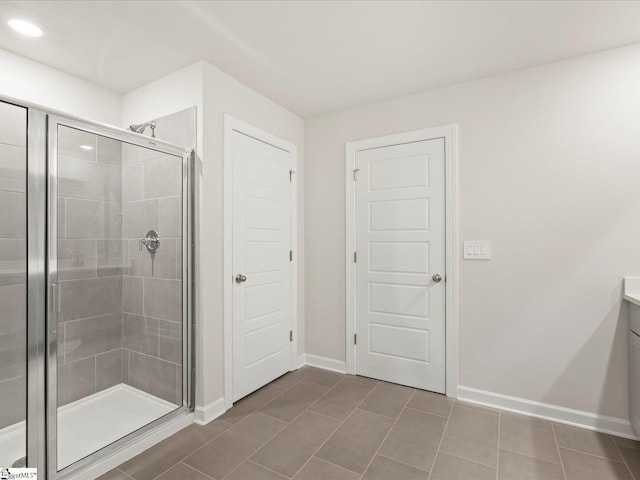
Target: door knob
436, 278
241, 278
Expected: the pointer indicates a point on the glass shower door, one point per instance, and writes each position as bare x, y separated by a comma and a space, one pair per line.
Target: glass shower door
116, 261
13, 289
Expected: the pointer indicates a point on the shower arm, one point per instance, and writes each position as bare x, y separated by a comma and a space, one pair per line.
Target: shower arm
141, 127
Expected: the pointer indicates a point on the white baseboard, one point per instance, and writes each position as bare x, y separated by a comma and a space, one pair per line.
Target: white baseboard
325, 363
301, 361
208, 413
600, 423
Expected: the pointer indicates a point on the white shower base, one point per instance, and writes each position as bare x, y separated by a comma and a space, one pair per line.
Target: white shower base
91, 423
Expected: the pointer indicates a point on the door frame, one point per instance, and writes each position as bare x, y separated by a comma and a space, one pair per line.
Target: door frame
449, 134
231, 125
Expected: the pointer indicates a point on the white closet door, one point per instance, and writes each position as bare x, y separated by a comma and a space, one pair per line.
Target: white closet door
400, 243
261, 243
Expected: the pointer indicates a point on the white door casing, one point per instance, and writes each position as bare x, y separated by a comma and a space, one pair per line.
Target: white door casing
259, 312
401, 223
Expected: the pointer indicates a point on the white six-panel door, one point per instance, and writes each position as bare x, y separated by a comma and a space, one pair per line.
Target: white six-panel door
262, 314
400, 245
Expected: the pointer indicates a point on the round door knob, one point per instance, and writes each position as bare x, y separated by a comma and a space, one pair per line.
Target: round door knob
241, 278
436, 278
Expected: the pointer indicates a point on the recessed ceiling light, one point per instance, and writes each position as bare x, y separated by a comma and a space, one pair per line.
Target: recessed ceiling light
25, 28
86, 147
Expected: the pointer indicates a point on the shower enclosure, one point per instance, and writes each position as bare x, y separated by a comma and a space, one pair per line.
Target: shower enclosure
95, 289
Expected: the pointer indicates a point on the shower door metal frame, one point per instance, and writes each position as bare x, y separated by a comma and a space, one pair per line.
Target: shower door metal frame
54, 121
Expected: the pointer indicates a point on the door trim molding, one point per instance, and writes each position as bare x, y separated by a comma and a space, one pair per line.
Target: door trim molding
232, 124
449, 133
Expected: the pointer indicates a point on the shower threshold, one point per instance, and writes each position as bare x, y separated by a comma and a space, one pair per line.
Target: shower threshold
91, 423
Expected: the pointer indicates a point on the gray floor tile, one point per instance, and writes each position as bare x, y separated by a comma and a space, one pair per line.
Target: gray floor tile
294, 401
325, 377
477, 407
472, 434
385, 469
448, 467
159, 458
318, 469
251, 471
387, 399
627, 443
513, 466
414, 439
586, 441
114, 475
290, 379
355, 443
183, 472
342, 399
290, 449
529, 436
431, 403
632, 459
579, 466
251, 403
226, 452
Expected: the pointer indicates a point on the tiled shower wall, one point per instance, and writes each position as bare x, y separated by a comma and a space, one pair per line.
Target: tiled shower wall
152, 302
13, 249
90, 264
152, 286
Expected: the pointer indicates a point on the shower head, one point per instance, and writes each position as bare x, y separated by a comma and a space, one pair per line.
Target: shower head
140, 128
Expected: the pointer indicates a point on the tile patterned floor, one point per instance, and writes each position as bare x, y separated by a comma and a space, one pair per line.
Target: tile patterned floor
317, 425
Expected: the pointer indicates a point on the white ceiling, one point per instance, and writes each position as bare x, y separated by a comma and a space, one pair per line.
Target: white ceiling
316, 56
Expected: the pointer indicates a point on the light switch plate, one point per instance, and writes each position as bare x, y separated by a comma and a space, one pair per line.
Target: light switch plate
477, 249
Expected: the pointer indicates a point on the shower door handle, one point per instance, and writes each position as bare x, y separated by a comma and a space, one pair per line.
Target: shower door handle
241, 278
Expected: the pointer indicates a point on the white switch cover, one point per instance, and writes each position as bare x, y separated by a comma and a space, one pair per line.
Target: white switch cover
477, 249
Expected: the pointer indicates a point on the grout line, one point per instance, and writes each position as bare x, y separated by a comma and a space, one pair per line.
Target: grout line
529, 456
390, 429
593, 455
623, 459
266, 441
400, 462
123, 473
444, 431
192, 468
334, 432
263, 466
330, 463
555, 437
190, 453
429, 413
469, 460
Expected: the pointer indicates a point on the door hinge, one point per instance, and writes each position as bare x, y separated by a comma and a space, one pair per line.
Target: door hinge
355, 174
291, 172
355, 338
355, 257
291, 255
291, 335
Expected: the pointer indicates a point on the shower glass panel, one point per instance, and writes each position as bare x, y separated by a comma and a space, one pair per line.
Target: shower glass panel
13, 279
118, 292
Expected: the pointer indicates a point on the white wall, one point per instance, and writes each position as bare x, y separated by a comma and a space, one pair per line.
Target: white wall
214, 93
26, 80
549, 172
224, 94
